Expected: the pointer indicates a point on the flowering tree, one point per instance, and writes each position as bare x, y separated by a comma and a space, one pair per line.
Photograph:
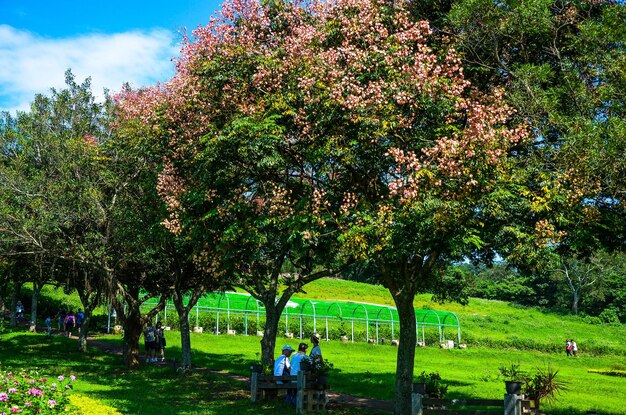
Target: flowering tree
244, 177
421, 158
299, 131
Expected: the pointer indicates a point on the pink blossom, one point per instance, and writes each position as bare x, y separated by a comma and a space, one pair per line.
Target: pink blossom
52, 403
3, 397
35, 392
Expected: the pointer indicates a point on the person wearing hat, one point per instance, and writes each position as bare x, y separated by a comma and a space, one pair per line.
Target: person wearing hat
282, 367
316, 351
299, 357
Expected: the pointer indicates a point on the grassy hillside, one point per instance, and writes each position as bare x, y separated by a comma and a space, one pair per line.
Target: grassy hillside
492, 323
488, 323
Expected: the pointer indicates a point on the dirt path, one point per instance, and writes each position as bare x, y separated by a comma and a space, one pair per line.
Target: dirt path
336, 400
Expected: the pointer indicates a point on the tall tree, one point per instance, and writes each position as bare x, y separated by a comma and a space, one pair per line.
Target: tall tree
50, 177
297, 129
562, 64
421, 158
243, 175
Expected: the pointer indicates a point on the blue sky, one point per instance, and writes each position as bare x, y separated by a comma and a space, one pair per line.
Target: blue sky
110, 41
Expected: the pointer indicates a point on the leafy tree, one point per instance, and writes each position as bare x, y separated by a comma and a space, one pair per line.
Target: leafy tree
296, 127
419, 158
242, 175
49, 176
562, 66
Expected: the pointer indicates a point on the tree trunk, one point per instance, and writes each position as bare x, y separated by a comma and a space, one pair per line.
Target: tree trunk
84, 330
3, 293
183, 321
14, 297
575, 300
268, 342
185, 339
406, 353
183, 317
132, 333
35, 299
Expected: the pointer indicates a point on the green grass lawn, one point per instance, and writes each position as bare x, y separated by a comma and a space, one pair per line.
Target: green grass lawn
497, 333
360, 369
104, 386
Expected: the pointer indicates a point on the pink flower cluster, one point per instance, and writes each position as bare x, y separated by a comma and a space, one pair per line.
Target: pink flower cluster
315, 60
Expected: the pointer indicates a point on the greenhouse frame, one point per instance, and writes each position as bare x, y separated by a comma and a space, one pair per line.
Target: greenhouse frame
303, 316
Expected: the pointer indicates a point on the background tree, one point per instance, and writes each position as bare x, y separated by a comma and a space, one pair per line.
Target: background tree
561, 64
50, 177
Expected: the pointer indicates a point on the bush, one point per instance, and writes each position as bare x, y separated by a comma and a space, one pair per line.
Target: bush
609, 315
433, 383
29, 392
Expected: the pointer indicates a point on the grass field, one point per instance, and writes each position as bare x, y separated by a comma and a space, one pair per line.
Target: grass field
497, 333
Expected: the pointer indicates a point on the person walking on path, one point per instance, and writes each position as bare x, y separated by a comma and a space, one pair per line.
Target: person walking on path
574, 348
48, 322
150, 337
61, 320
19, 310
568, 347
70, 323
80, 318
160, 341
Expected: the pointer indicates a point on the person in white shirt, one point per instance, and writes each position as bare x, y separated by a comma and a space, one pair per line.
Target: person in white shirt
282, 367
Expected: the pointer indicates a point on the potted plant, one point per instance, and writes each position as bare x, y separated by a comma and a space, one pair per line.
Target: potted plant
320, 369
430, 384
306, 364
514, 378
544, 385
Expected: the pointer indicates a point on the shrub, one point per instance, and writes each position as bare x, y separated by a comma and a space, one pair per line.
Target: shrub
609, 315
29, 392
433, 383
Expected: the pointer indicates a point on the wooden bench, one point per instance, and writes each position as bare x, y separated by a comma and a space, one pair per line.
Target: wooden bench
310, 396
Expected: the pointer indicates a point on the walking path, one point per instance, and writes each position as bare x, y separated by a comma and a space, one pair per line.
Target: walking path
336, 399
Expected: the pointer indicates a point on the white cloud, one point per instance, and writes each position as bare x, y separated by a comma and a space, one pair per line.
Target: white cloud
31, 64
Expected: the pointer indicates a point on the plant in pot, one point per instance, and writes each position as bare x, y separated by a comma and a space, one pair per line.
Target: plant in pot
430, 384
544, 385
320, 369
259, 367
514, 378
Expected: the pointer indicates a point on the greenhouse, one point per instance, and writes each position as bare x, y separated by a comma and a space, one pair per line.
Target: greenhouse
239, 313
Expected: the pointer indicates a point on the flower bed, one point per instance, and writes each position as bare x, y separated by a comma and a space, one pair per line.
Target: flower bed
28, 392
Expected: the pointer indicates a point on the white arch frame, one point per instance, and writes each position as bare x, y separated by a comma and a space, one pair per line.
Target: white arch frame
367, 321
246, 312
314, 316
